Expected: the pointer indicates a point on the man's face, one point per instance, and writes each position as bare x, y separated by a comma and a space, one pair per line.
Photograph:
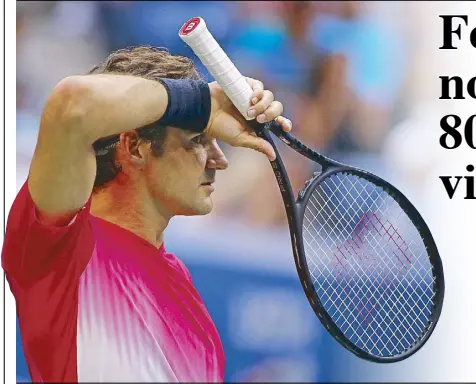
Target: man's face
180, 180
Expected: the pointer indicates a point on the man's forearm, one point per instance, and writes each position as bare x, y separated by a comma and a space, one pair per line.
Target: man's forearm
112, 104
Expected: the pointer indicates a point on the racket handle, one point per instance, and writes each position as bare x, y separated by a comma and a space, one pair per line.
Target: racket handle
197, 36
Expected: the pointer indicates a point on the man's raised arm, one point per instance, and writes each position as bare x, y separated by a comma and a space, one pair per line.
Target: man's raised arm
80, 110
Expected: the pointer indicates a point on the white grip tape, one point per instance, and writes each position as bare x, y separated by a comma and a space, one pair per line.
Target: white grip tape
197, 36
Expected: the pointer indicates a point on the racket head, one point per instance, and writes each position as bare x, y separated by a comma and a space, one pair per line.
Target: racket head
381, 338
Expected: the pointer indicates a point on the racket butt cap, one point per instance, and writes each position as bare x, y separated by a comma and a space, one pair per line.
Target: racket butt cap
192, 27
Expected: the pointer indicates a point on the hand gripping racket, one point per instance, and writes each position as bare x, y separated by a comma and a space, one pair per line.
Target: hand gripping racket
366, 259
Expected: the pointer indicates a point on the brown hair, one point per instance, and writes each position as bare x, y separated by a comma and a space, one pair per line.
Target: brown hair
151, 63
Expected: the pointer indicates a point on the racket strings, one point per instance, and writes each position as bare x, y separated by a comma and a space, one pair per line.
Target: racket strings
361, 312
368, 264
364, 315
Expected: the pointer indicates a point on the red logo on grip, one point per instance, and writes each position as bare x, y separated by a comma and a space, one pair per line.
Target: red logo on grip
190, 25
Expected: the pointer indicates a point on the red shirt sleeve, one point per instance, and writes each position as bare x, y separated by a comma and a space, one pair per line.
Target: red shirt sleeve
43, 264
33, 250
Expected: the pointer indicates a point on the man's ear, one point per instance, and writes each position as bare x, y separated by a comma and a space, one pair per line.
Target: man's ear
134, 148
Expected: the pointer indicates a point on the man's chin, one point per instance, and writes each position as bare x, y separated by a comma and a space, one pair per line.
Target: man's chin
204, 208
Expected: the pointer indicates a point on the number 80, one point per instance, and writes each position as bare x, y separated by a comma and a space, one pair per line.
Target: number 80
452, 130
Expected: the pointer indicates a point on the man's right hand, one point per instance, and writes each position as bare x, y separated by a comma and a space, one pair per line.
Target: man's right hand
227, 124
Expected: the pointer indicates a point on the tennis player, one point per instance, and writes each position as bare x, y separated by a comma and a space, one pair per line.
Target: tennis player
121, 151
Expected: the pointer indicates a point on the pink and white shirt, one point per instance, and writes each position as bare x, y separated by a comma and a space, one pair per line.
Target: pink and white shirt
96, 302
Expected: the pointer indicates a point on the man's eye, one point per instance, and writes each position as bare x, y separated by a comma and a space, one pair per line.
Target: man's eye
200, 139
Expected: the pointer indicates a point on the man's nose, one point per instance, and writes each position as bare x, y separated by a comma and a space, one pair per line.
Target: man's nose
216, 157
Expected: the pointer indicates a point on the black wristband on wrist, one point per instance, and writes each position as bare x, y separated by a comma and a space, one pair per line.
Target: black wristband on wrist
189, 104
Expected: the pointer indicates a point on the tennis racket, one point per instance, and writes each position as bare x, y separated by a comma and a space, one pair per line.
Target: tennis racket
366, 260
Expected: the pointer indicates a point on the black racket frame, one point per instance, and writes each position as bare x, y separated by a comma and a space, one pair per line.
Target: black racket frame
295, 214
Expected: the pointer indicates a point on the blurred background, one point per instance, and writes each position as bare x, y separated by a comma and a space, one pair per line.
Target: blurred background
353, 78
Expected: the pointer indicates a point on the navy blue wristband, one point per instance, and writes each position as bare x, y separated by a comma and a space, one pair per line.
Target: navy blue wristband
189, 104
